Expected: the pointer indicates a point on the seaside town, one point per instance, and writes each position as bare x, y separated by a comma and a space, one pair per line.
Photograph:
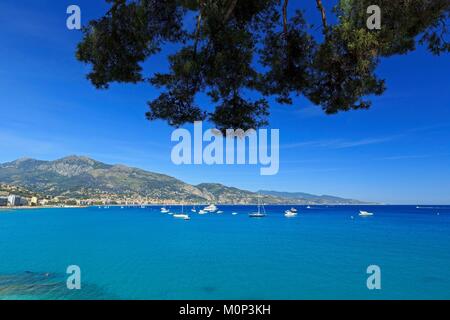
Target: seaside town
16, 196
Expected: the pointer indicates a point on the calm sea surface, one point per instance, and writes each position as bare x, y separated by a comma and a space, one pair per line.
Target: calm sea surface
136, 253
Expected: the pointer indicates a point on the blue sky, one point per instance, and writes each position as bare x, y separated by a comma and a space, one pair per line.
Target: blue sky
396, 152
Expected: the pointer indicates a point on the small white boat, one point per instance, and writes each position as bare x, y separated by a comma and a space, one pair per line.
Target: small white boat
121, 207
308, 207
290, 214
210, 208
164, 209
234, 213
293, 210
219, 212
182, 216
193, 210
202, 212
258, 214
365, 214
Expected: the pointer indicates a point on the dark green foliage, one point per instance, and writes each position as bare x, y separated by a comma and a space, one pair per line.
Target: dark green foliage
126, 36
240, 113
402, 22
176, 109
228, 48
344, 71
289, 57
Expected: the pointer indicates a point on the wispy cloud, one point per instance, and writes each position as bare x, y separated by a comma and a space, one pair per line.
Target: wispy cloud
303, 170
339, 143
363, 142
413, 156
346, 143
405, 157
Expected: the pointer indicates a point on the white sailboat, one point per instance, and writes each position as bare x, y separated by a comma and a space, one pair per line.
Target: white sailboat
202, 212
182, 215
193, 209
365, 213
258, 214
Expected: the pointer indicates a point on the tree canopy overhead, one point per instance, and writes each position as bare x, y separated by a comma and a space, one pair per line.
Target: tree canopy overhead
228, 48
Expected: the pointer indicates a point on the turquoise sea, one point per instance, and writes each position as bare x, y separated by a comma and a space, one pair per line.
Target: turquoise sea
136, 253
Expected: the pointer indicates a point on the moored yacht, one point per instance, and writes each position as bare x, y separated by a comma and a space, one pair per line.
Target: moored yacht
182, 215
290, 214
210, 208
258, 214
164, 210
365, 214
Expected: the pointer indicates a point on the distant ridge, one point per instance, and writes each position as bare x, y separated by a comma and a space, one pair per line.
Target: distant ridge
80, 177
308, 198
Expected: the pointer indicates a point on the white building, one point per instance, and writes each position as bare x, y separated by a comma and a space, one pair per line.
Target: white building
15, 201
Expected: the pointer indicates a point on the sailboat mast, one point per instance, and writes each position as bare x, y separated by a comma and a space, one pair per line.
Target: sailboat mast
259, 205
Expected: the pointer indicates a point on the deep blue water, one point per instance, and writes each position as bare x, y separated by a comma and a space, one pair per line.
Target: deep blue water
136, 253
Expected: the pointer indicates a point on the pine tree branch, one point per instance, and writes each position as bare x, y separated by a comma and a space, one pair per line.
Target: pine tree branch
199, 24
197, 32
285, 5
323, 13
230, 10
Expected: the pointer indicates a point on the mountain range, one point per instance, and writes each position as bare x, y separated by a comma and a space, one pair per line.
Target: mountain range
82, 177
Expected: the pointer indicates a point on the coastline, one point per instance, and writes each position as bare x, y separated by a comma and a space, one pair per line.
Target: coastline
40, 207
3, 209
